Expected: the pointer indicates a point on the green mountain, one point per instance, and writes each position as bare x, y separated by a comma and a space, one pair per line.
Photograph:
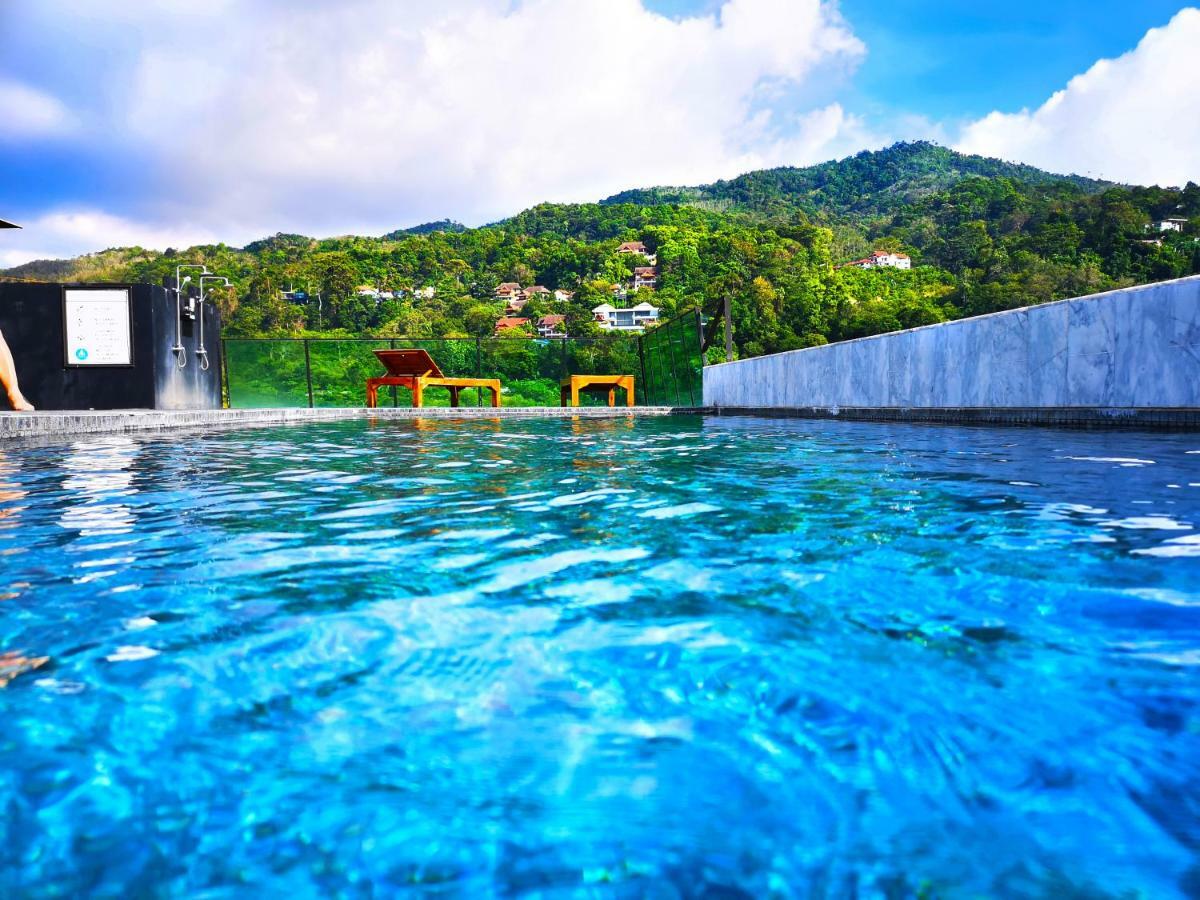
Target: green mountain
982, 235
446, 226
870, 183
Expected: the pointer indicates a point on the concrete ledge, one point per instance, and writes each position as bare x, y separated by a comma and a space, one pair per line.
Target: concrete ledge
64, 425
1135, 348
1131, 418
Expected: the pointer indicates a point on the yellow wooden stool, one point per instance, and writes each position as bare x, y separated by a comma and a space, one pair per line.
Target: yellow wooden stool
570, 387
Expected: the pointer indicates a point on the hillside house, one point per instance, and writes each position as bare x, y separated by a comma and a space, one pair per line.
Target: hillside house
882, 259
514, 305
508, 290
510, 324
633, 319
551, 326
1174, 223
561, 296
365, 291
637, 247
425, 293
536, 291
645, 277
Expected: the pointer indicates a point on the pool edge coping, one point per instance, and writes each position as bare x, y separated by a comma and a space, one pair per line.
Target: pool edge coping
66, 424
61, 425
1071, 417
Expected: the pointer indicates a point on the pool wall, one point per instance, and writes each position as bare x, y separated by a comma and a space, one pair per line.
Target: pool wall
1126, 357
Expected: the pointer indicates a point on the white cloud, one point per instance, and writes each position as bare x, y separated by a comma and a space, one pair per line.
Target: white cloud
26, 112
1132, 119
364, 115
69, 232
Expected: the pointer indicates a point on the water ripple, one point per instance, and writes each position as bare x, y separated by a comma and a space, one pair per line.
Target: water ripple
630, 657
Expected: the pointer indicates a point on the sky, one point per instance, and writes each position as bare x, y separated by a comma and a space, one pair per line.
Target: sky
173, 122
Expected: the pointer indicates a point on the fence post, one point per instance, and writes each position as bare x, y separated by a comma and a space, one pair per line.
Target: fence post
395, 398
728, 332
642, 363
226, 396
308, 373
478, 369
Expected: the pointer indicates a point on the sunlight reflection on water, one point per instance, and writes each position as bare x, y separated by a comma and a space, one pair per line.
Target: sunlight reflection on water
662, 656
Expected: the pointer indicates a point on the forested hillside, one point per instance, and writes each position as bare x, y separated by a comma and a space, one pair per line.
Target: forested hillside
983, 235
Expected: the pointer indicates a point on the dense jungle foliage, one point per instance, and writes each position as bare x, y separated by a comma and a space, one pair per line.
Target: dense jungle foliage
983, 235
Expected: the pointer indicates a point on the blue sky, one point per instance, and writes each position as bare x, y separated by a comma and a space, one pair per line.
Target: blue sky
961, 59
338, 116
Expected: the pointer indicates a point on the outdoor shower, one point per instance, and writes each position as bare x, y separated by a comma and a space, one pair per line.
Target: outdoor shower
178, 349
201, 352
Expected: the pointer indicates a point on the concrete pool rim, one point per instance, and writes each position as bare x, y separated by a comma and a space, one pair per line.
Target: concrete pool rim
68, 424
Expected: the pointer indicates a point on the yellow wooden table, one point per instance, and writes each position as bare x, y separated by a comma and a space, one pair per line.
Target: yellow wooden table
570, 387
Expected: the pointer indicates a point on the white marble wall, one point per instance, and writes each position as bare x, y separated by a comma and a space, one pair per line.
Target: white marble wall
1138, 347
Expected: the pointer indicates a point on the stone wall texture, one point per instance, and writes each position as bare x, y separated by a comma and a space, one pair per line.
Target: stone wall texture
1137, 348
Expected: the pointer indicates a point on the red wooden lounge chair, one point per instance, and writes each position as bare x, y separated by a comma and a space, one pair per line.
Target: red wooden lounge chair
416, 370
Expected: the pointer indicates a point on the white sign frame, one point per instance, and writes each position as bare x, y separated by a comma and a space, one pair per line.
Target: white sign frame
98, 327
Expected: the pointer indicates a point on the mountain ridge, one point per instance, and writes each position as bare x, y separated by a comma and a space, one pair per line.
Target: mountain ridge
780, 244
909, 163
916, 162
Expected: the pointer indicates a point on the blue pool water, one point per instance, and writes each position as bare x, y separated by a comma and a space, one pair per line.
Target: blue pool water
669, 657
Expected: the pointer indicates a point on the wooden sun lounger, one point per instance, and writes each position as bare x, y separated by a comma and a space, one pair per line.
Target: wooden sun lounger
416, 370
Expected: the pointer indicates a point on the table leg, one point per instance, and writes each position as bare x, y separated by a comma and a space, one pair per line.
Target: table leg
612, 396
495, 396
574, 394
418, 392
629, 398
372, 394
454, 397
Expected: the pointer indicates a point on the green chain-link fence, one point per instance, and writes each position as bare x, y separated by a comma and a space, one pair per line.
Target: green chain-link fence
332, 372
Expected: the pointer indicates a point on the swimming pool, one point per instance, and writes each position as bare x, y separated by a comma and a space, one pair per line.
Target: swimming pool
662, 656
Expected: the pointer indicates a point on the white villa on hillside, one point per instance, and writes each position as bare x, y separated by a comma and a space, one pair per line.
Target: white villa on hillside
882, 259
563, 296
634, 319
1174, 223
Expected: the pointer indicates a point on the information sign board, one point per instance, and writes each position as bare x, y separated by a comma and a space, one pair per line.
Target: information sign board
98, 327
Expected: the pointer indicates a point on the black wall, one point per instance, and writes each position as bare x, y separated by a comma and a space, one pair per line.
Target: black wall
31, 318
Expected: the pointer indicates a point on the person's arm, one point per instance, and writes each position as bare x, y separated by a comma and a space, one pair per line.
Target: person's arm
8, 379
